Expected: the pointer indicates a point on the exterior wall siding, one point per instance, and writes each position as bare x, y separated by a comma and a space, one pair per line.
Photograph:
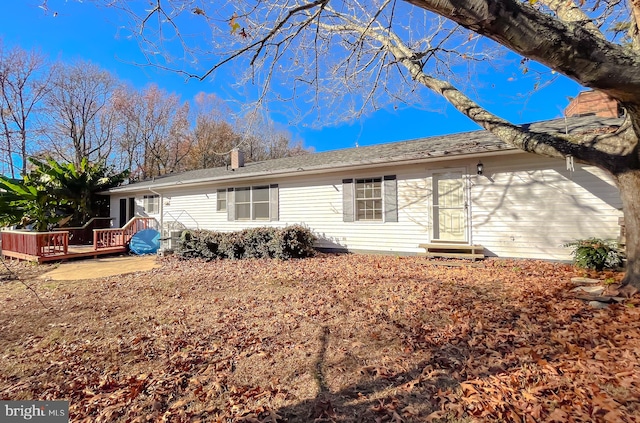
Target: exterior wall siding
523, 206
529, 207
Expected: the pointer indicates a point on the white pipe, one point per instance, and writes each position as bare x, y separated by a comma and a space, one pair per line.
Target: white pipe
161, 209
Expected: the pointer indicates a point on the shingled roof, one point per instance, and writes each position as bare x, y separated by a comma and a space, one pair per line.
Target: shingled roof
426, 149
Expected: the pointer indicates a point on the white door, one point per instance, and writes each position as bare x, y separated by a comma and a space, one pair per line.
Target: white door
449, 207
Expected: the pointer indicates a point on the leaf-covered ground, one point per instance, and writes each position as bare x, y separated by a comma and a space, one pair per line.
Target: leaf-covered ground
333, 338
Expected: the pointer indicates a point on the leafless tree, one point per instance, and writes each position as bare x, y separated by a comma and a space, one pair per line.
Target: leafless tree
364, 54
154, 127
214, 135
79, 117
262, 139
24, 81
170, 155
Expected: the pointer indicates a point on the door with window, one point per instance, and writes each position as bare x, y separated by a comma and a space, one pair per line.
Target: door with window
449, 207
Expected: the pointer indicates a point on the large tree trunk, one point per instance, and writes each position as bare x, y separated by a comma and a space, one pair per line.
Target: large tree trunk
629, 184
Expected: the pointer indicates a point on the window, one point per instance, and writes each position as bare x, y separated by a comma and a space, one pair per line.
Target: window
243, 204
253, 203
221, 200
260, 203
151, 204
369, 199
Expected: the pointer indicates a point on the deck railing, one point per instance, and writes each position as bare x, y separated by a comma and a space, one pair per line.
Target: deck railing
119, 237
27, 244
83, 235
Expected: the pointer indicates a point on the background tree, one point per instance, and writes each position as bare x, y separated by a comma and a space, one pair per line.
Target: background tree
154, 138
213, 136
261, 139
169, 155
24, 79
79, 111
78, 115
364, 54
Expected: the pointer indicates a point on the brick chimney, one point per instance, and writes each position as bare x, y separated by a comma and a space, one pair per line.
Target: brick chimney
237, 159
593, 103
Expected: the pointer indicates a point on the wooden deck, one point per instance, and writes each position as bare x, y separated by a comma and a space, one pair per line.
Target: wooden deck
73, 251
83, 235
54, 246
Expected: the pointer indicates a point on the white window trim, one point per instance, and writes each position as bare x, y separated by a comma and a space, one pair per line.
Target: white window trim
252, 203
389, 197
378, 180
151, 204
218, 192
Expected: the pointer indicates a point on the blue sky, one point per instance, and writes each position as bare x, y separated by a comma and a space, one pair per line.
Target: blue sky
79, 30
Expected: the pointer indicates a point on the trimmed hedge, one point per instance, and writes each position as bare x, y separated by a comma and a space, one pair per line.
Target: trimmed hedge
294, 241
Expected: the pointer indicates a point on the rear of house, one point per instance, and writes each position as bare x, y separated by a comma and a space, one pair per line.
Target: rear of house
392, 198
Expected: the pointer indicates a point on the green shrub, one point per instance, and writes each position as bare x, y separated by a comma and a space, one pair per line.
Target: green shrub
232, 245
188, 245
199, 244
595, 253
283, 243
293, 242
258, 242
210, 245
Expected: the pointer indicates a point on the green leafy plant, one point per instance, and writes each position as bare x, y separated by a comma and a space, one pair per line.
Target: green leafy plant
293, 242
79, 185
30, 202
595, 253
52, 192
258, 242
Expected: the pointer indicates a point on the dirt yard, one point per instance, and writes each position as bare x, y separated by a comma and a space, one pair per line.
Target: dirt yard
102, 267
327, 339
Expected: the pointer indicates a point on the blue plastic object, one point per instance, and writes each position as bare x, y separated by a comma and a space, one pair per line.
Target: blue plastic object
146, 241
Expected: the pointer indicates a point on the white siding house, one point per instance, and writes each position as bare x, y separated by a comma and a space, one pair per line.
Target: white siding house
391, 198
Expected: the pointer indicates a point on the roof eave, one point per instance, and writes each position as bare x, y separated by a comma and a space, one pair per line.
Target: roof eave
312, 170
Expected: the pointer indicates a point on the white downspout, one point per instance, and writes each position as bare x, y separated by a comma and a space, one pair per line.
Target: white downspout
161, 210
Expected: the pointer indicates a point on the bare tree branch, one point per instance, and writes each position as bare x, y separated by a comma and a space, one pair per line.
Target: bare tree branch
563, 46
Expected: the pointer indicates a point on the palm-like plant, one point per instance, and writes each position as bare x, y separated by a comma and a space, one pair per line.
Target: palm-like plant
53, 191
80, 185
29, 202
